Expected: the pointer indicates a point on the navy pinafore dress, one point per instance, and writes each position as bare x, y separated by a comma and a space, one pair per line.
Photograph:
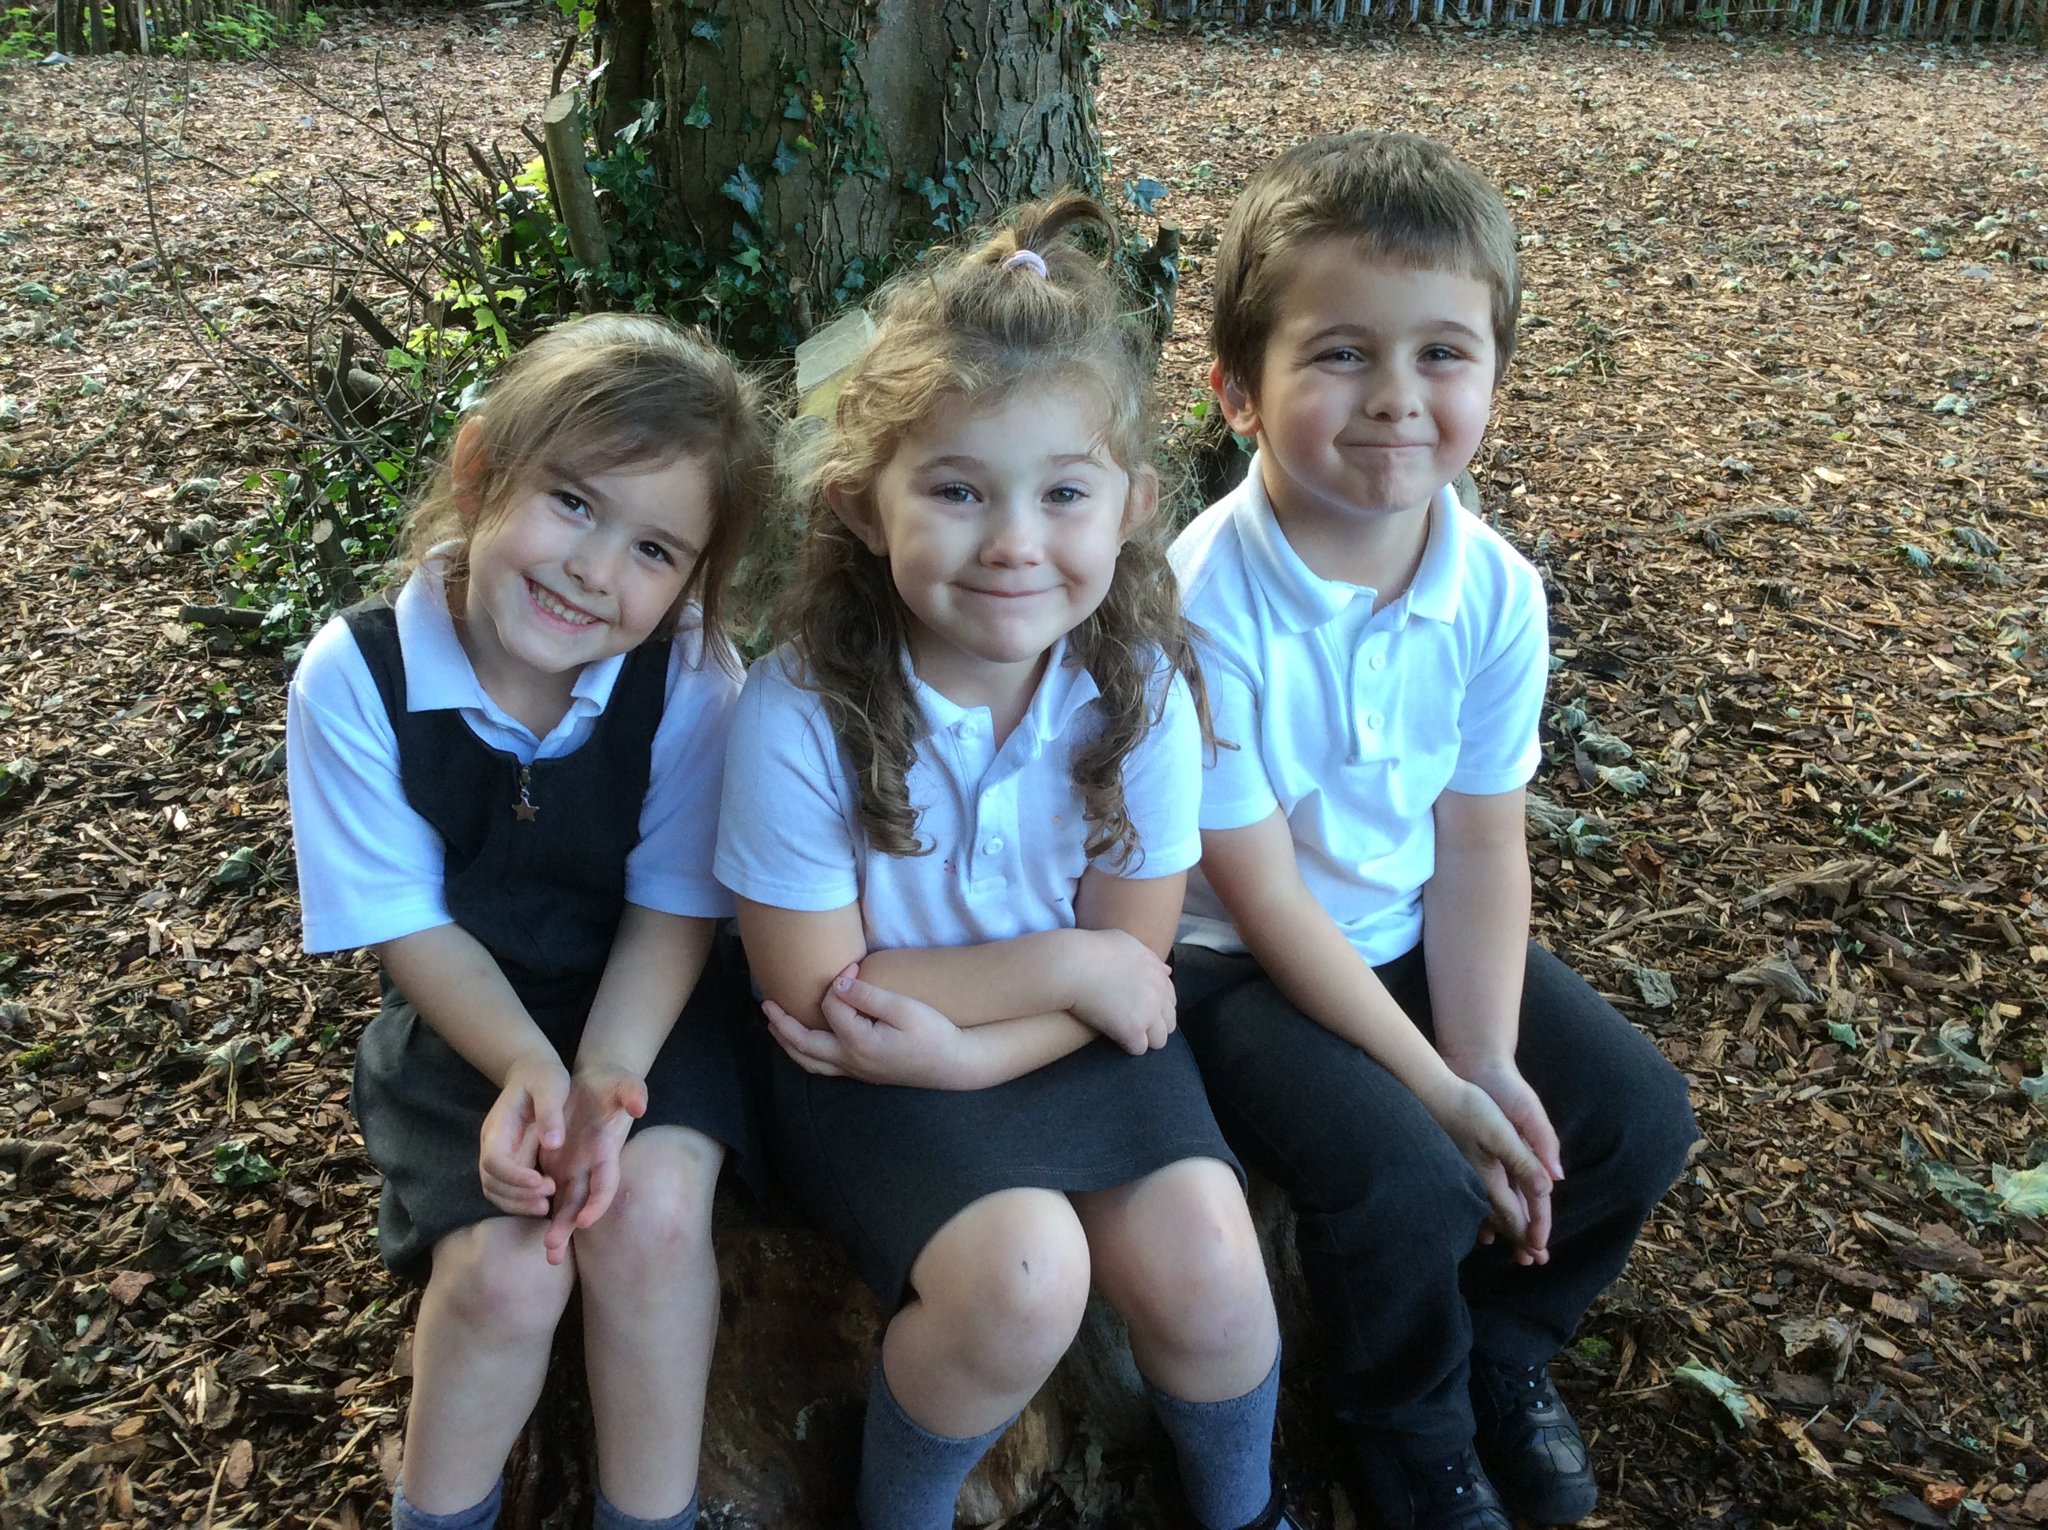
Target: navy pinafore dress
543, 894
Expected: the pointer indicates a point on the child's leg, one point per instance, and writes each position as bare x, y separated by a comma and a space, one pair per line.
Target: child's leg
1000, 1290
1175, 1253
479, 1356
650, 1312
1388, 1208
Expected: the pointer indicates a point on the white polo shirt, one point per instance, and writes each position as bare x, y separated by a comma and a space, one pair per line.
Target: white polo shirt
1005, 825
1355, 722
370, 868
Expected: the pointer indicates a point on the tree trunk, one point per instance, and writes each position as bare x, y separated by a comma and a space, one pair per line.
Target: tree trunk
813, 140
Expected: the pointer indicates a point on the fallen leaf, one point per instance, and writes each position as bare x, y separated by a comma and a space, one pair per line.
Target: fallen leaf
128, 1285
1742, 1407
240, 1463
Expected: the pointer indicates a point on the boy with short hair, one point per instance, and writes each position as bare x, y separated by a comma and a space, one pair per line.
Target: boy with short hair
1471, 1135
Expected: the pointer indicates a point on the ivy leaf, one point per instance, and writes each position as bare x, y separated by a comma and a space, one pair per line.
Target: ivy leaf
711, 32
239, 1163
1916, 557
786, 159
239, 867
699, 114
1622, 779
2022, 1192
793, 104
1144, 193
1974, 541
745, 190
1952, 403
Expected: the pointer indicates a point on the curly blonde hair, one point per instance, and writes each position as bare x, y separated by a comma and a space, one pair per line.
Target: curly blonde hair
601, 394
967, 332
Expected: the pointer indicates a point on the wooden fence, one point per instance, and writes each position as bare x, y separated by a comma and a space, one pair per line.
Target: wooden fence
1926, 20
145, 26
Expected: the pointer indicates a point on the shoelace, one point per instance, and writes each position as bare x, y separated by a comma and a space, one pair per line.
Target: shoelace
1533, 1379
1452, 1482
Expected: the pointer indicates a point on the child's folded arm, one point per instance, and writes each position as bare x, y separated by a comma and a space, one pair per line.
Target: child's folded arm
1107, 976
882, 1037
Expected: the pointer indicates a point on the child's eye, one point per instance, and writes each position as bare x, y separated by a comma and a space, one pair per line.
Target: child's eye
953, 493
1067, 494
1443, 353
1342, 354
575, 504
657, 552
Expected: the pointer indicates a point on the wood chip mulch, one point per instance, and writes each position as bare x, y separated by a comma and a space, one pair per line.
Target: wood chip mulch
1777, 435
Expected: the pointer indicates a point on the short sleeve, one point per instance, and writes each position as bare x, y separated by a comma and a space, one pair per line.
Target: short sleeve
370, 868
1500, 717
1236, 791
784, 835
670, 869
1163, 792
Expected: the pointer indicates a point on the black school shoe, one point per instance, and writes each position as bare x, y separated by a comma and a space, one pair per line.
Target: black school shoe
1408, 1494
1532, 1449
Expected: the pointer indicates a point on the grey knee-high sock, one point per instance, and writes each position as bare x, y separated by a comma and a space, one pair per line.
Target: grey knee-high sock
478, 1516
1224, 1450
910, 1478
609, 1516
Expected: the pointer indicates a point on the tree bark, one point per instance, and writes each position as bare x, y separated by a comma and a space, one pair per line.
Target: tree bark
829, 135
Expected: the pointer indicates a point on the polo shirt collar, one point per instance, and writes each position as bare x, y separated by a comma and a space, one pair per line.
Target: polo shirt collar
438, 674
1305, 600
1063, 691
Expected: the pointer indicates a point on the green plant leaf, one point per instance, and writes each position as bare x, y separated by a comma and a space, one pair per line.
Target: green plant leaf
239, 1163
745, 190
2022, 1192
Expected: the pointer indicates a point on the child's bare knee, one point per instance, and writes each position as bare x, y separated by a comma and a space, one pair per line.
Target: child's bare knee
1198, 1273
1013, 1281
660, 1219
494, 1276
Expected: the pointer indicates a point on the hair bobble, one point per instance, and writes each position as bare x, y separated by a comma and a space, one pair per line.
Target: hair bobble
1027, 260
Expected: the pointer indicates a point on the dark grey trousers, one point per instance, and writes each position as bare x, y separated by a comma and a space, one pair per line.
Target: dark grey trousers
1388, 1208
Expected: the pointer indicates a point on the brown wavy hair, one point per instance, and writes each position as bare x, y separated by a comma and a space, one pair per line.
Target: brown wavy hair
1396, 196
967, 332
607, 393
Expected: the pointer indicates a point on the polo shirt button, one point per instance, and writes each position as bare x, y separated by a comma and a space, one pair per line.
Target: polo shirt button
1376, 720
993, 847
1379, 661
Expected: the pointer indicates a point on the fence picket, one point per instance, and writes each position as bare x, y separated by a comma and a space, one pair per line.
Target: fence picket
81, 24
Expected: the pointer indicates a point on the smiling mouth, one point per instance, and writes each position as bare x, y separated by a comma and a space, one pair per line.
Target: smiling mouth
1003, 594
559, 608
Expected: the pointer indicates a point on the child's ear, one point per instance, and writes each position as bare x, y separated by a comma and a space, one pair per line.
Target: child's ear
1239, 412
856, 516
466, 468
1142, 502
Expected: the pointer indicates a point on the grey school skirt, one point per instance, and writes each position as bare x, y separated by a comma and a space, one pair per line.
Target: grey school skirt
421, 1108
883, 1168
